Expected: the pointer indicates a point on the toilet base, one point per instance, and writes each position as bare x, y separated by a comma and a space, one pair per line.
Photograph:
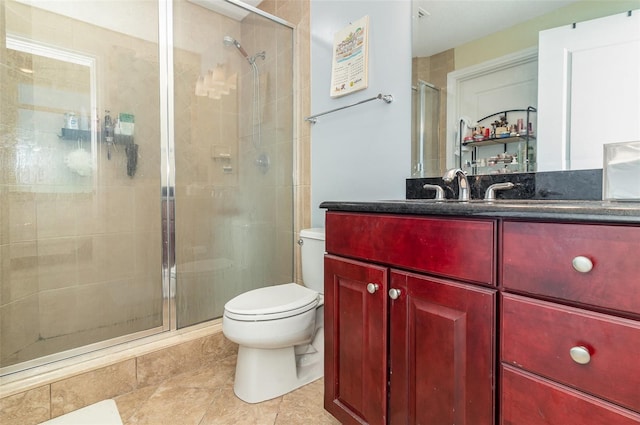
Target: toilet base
263, 374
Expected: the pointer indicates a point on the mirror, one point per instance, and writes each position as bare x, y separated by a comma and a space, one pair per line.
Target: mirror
482, 40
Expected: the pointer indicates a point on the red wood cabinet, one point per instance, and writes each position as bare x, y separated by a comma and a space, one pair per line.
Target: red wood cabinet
529, 399
424, 353
538, 260
441, 352
570, 341
462, 249
355, 341
538, 336
568, 350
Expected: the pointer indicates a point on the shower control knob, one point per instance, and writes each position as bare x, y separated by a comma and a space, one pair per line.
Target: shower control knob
394, 293
372, 288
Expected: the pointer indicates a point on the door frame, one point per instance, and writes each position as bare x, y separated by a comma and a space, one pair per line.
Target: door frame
456, 78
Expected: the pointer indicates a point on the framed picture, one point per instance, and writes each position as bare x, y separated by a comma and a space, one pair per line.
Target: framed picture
349, 71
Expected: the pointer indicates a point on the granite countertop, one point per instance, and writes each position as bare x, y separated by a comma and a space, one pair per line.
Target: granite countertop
557, 210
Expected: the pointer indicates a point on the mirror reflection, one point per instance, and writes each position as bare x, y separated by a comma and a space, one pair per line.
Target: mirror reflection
487, 44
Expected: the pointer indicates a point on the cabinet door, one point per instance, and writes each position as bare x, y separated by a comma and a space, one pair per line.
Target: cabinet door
355, 341
442, 352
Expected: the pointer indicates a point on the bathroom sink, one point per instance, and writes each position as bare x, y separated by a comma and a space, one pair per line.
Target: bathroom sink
530, 202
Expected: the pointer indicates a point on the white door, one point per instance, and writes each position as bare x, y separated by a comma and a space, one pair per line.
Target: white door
510, 82
589, 90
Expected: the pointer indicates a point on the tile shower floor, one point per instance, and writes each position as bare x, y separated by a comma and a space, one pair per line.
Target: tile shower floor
205, 397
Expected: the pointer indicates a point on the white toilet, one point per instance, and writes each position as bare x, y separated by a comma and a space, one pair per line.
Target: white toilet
279, 329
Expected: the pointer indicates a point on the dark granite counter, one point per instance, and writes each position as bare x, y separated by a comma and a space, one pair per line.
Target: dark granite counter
555, 210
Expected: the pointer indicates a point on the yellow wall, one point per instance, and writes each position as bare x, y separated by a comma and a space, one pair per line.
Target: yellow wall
525, 35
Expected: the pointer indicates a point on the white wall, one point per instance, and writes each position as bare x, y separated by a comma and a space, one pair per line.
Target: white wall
364, 152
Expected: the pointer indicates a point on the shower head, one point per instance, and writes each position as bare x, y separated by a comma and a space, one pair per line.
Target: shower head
230, 41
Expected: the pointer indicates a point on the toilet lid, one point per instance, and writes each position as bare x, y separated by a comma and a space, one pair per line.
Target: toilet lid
272, 302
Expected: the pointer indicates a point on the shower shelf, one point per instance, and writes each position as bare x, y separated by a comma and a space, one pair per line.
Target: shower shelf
72, 134
386, 97
75, 135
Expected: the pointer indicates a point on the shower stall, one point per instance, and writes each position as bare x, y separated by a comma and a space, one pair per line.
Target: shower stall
425, 145
146, 169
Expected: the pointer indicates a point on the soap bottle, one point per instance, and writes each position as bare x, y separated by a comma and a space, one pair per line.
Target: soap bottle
108, 132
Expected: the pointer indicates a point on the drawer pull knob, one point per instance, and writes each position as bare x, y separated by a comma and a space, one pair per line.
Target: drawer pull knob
582, 264
394, 293
580, 354
372, 288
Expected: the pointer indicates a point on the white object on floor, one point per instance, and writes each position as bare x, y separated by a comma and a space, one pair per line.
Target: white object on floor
101, 413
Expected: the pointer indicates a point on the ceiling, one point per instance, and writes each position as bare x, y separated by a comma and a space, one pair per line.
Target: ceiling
439, 25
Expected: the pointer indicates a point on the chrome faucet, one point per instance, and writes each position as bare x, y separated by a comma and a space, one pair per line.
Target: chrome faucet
463, 183
490, 194
438, 189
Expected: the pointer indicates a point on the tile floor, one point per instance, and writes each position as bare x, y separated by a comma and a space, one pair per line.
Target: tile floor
205, 397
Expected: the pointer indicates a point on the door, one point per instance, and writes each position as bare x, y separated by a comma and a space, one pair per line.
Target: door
441, 351
509, 82
355, 341
589, 90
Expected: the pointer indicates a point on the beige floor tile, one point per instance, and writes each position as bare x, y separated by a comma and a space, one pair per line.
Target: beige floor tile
205, 397
305, 406
128, 404
173, 405
227, 409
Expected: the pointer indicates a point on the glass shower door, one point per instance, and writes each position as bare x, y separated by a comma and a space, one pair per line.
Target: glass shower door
80, 236
425, 150
234, 156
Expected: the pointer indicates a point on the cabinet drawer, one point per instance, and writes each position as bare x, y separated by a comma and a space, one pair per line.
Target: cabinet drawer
462, 249
538, 336
537, 259
529, 399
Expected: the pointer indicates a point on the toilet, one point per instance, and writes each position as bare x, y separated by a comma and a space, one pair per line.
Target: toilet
279, 329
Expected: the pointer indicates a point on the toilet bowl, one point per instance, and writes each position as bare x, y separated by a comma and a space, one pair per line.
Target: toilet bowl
279, 329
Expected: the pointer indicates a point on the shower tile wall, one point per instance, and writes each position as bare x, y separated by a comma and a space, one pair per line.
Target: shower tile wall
80, 261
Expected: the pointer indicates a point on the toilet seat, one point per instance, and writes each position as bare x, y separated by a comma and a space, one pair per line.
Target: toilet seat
271, 303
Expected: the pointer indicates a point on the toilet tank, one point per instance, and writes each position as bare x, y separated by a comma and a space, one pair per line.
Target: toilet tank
312, 255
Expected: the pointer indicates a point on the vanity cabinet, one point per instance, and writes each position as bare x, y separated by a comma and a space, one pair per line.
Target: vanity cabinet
570, 334
409, 319
413, 304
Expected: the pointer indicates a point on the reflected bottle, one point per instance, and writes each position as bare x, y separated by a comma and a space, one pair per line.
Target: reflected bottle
108, 127
108, 132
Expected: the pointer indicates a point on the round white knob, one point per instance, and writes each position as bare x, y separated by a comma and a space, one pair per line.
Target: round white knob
372, 288
580, 354
394, 293
582, 264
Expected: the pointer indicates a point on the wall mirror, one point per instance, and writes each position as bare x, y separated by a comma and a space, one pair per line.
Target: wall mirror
482, 34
